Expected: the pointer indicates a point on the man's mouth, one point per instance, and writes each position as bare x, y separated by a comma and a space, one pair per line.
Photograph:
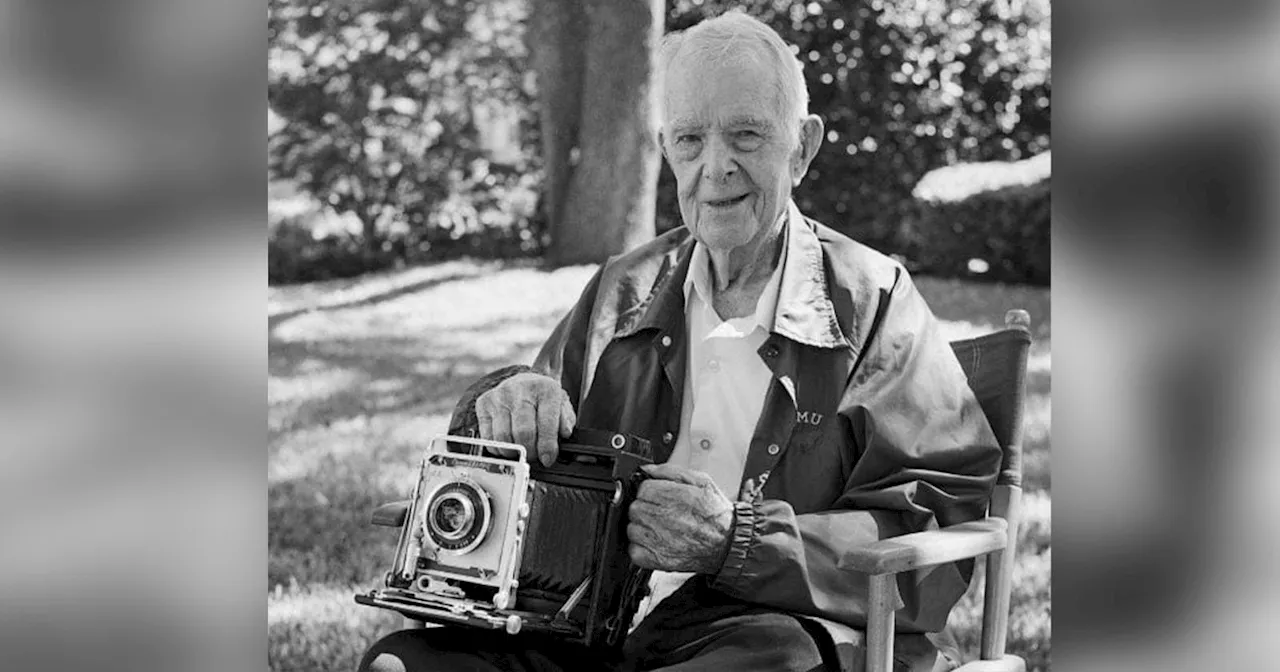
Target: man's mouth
727, 202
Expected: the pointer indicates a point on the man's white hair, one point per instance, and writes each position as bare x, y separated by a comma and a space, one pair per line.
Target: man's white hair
732, 38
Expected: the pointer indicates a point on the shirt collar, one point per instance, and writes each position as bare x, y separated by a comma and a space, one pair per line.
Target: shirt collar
803, 311
699, 281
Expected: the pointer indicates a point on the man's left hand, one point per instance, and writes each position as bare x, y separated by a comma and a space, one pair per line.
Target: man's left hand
680, 521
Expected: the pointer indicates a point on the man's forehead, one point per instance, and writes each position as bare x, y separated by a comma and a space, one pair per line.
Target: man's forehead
733, 92
713, 117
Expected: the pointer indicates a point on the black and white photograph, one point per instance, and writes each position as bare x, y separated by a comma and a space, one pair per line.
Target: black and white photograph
639, 335
646, 335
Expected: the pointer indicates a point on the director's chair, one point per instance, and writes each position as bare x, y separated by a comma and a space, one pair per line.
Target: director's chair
996, 366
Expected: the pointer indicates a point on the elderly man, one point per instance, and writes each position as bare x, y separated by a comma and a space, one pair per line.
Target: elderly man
797, 389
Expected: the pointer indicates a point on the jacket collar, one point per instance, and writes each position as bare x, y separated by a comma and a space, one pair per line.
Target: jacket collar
805, 313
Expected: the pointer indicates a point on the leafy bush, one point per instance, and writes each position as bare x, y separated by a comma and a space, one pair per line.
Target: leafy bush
392, 111
903, 87
495, 220
1000, 234
295, 255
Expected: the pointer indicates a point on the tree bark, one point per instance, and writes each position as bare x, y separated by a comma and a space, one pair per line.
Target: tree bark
607, 205
557, 43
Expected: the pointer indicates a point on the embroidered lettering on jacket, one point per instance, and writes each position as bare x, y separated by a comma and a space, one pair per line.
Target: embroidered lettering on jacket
753, 489
808, 418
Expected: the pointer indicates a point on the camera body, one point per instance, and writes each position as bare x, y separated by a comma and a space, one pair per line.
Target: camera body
491, 541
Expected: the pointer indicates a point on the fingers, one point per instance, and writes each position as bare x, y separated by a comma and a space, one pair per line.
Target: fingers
665, 498
500, 425
486, 422
568, 418
548, 417
524, 424
671, 472
528, 409
642, 557
639, 549
495, 421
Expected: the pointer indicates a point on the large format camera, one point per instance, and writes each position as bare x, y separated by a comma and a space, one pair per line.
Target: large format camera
491, 541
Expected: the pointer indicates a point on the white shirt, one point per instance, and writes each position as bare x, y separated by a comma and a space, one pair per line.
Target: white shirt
724, 390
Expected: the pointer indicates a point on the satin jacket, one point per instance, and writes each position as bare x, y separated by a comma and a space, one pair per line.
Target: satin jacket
869, 429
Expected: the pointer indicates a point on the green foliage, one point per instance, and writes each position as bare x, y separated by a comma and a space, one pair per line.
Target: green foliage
382, 106
903, 87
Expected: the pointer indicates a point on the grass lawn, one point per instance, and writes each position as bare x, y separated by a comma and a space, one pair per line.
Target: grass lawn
361, 370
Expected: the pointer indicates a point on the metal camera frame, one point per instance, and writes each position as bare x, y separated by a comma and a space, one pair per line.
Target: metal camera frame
405, 570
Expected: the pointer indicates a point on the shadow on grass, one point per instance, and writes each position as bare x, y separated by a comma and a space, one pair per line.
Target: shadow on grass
389, 294
343, 438
326, 382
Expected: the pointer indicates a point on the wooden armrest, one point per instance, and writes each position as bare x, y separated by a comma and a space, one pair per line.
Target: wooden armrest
925, 549
391, 515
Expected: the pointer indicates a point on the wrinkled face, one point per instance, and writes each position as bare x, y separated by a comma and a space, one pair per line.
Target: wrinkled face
733, 155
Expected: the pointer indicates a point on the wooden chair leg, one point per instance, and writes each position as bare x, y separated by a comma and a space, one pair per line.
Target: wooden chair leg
884, 600
995, 603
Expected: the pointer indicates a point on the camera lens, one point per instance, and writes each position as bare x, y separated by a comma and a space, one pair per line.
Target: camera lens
458, 516
453, 516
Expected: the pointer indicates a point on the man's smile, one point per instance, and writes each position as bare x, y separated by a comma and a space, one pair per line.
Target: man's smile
726, 202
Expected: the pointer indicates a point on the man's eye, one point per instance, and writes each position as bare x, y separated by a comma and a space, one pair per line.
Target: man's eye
687, 139
748, 135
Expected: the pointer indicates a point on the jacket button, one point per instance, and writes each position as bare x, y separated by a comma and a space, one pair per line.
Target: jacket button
774, 449
668, 437
666, 341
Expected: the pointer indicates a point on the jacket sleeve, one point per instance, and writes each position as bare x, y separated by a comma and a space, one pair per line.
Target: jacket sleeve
561, 357
925, 457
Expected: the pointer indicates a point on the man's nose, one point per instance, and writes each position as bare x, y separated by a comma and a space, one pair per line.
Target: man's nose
721, 163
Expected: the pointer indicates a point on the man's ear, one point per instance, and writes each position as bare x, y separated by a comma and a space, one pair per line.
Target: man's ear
810, 140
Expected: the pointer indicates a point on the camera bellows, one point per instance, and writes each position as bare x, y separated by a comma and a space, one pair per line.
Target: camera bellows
564, 524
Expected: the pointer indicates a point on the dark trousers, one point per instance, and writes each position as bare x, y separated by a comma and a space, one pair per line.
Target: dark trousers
684, 634
695, 629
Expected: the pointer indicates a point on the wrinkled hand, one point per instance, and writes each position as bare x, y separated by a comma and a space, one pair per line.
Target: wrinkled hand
680, 521
529, 409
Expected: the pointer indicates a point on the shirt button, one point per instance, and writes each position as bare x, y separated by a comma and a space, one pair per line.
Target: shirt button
666, 341
705, 443
667, 437
774, 449
714, 365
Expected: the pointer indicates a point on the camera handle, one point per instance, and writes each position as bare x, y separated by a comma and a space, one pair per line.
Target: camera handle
442, 443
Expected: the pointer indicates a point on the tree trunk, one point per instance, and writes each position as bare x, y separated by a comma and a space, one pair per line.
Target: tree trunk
607, 206
369, 232
557, 42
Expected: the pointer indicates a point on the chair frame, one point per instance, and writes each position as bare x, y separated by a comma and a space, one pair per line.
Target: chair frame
995, 536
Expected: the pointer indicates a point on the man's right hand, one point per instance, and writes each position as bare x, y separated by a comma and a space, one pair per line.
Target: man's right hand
529, 409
